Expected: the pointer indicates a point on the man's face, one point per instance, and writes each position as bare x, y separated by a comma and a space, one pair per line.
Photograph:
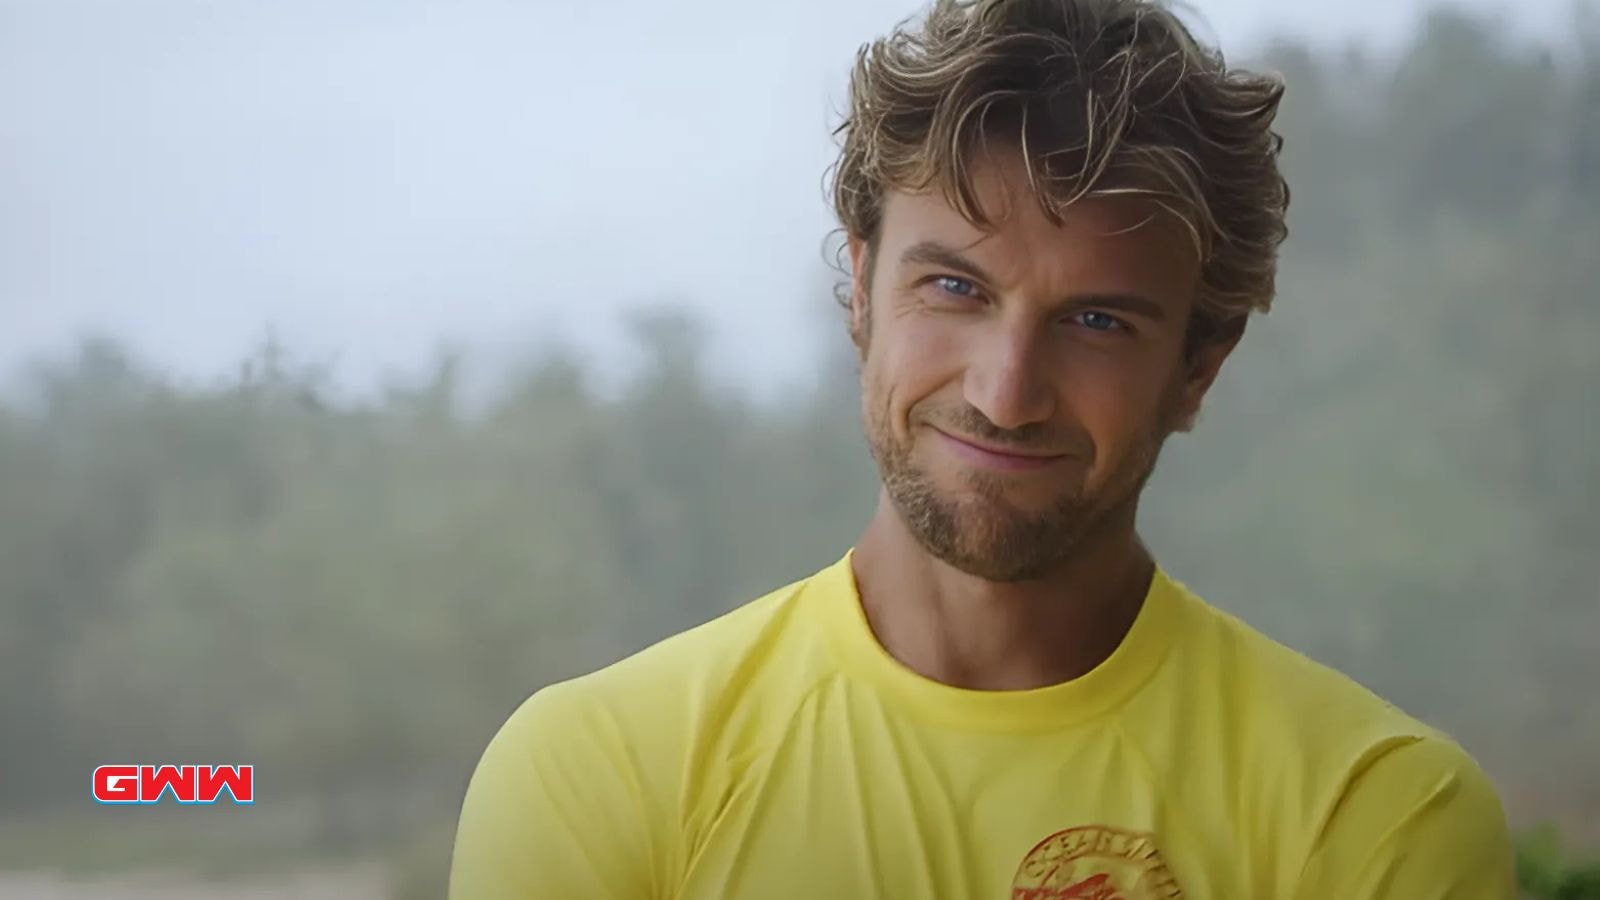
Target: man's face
1017, 384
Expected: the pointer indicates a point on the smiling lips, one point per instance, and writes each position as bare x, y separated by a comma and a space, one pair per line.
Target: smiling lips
991, 457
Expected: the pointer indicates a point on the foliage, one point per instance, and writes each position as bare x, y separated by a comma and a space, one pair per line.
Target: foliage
1397, 475
1546, 872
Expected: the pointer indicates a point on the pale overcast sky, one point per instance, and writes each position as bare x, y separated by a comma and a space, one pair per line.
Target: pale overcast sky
369, 177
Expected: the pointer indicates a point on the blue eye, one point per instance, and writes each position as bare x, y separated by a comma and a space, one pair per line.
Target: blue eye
959, 287
1099, 321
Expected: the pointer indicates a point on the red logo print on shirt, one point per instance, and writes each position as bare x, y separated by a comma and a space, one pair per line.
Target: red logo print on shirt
1094, 862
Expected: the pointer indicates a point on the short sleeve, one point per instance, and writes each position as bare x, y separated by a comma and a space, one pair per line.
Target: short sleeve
553, 810
1420, 821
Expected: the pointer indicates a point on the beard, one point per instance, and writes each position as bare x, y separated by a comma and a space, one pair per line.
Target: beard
980, 531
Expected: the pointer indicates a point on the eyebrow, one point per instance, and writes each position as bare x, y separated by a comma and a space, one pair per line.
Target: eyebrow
932, 253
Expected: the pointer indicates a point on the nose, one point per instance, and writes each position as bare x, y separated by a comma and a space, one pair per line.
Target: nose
1006, 378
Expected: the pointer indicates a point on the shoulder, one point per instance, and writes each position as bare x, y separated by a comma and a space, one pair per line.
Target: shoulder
727, 653
652, 707
1323, 767
1288, 696
1416, 818
587, 787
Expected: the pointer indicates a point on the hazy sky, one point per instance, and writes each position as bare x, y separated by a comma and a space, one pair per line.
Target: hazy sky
368, 177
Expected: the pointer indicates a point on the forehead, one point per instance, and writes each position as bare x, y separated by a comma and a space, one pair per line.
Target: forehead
1115, 243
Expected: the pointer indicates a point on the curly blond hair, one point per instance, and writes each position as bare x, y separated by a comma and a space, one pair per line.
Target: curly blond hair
1101, 97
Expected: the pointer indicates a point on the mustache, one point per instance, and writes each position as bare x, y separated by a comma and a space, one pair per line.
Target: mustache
1035, 437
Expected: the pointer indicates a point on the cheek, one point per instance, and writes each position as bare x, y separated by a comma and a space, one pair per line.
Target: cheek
878, 393
907, 361
1120, 404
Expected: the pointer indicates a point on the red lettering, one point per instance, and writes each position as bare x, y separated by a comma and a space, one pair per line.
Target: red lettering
116, 784
239, 780
154, 781
186, 783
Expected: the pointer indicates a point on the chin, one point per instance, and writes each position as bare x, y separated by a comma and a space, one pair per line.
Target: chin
1002, 564
991, 538
981, 493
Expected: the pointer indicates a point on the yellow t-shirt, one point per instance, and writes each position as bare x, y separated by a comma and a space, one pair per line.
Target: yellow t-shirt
779, 752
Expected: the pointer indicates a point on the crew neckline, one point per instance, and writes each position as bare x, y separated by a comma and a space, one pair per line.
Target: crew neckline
837, 601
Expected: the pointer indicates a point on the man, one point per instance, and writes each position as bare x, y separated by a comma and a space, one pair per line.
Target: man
1059, 215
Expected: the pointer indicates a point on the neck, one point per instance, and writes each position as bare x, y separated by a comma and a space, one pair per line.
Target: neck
962, 630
